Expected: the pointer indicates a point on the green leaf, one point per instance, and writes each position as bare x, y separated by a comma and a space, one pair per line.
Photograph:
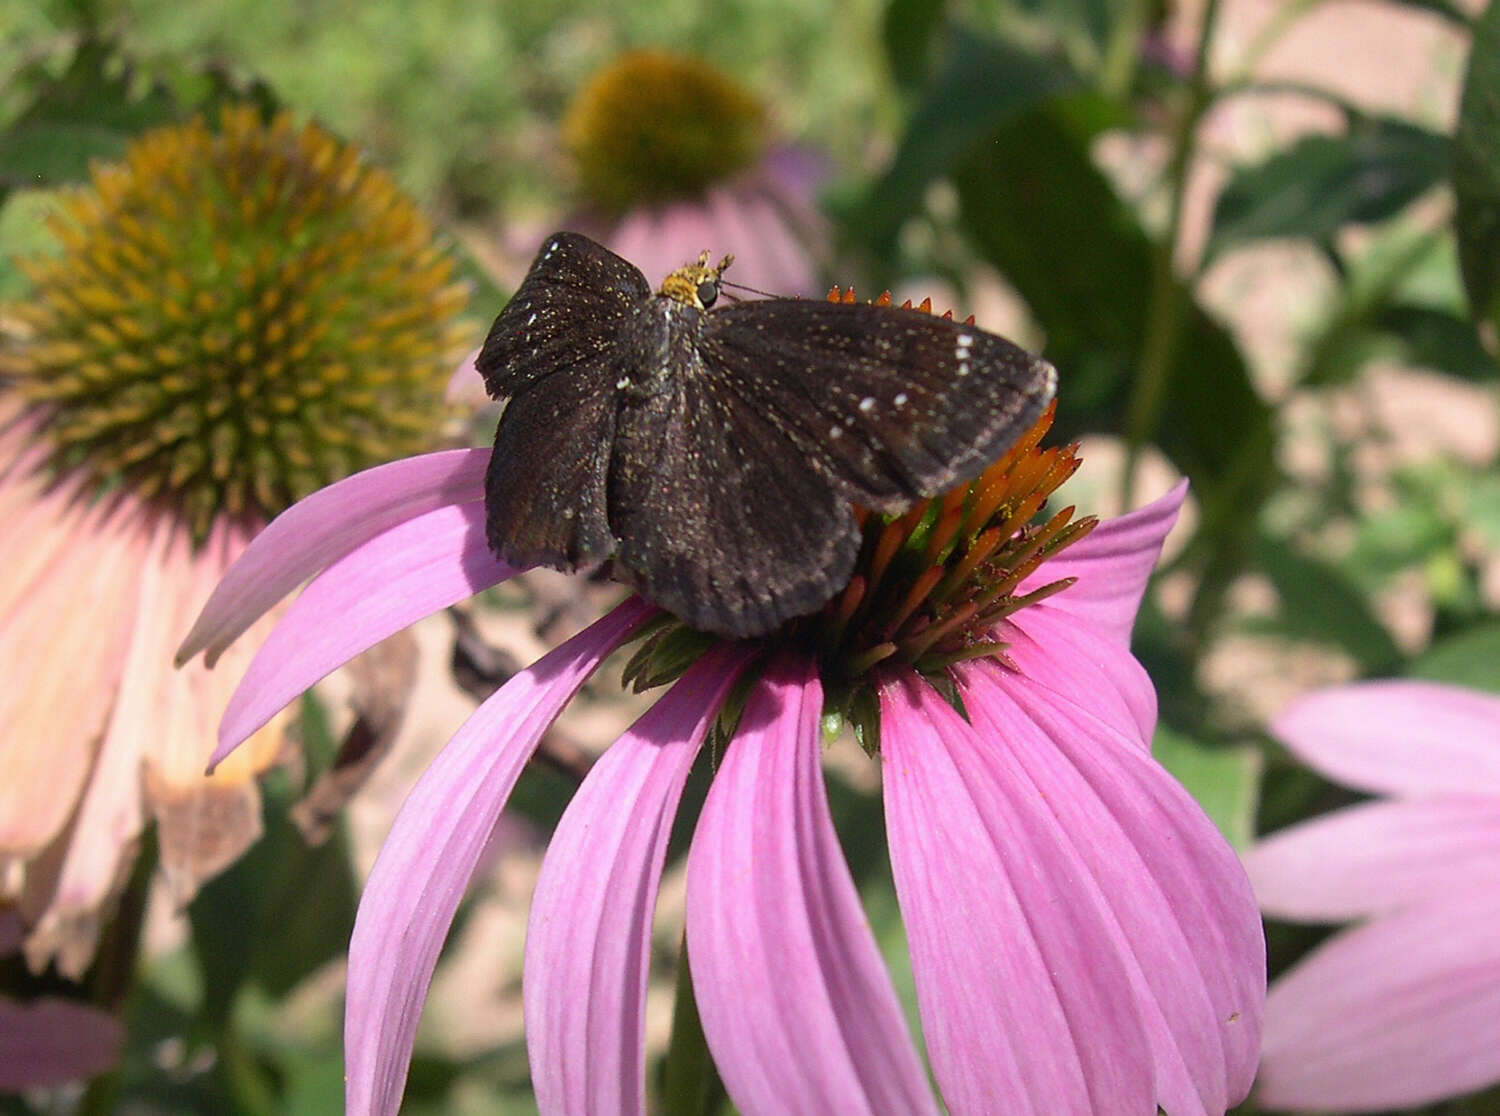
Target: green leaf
1428, 337
909, 31
983, 81
1319, 603
1476, 170
1053, 225
279, 913
1467, 658
1225, 781
90, 112
1322, 183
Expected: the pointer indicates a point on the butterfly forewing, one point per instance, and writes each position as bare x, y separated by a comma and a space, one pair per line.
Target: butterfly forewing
545, 491
891, 404
578, 305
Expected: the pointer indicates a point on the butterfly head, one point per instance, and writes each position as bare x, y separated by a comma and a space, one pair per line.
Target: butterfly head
695, 284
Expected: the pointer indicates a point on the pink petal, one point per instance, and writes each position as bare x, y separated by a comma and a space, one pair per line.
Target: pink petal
1184, 911
374, 591
431, 852
796, 1003
589, 937
1020, 979
1399, 737
51, 1042
1397, 1013
1376, 858
327, 525
1078, 663
1112, 565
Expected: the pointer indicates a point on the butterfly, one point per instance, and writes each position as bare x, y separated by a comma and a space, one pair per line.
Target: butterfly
710, 453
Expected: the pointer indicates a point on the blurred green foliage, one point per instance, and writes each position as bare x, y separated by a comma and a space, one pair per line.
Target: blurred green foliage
966, 141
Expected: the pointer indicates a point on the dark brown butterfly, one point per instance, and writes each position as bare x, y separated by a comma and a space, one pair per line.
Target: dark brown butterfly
711, 453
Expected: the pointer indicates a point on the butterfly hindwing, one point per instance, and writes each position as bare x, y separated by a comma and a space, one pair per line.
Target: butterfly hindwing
891, 404
718, 517
575, 303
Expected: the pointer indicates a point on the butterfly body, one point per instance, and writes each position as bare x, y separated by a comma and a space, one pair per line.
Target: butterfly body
711, 453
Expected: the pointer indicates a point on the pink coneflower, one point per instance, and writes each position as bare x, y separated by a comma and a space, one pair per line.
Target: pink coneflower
672, 156
1082, 938
235, 316
1403, 1009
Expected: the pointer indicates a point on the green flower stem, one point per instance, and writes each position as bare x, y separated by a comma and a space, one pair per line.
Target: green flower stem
1168, 295
690, 1084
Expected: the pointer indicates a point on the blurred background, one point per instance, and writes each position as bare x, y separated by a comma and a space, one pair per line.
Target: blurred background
1257, 237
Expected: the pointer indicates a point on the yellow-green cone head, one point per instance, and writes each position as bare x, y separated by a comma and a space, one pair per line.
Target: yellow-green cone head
653, 126
236, 318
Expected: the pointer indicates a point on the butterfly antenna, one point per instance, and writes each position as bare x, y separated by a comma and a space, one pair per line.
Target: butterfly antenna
725, 283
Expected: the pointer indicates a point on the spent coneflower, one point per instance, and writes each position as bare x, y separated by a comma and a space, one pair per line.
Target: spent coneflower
1081, 936
672, 154
1403, 1009
235, 318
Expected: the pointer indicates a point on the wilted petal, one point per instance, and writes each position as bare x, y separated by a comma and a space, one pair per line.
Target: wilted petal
1112, 565
1398, 737
1025, 999
314, 532
1079, 664
589, 937
436, 841
1183, 906
379, 588
1377, 857
1393, 1014
50, 1042
796, 1003
62, 649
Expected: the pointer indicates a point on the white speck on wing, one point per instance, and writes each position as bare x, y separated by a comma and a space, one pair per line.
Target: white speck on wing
900, 399
963, 367
622, 383
835, 432
531, 320
867, 404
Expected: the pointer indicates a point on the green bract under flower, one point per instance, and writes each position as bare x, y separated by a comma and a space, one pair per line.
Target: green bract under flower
236, 319
654, 126
928, 590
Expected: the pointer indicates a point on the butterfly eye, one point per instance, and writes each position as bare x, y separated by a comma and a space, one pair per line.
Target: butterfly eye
708, 293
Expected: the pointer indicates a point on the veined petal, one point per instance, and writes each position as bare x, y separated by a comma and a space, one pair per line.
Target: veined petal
436, 841
1393, 1014
1185, 915
1023, 991
1112, 563
387, 583
1404, 738
330, 523
588, 940
1073, 659
1377, 857
796, 1003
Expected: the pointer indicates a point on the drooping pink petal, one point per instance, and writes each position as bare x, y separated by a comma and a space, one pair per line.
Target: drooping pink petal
1185, 916
427, 860
374, 591
588, 940
1112, 564
1405, 738
1393, 1014
1377, 857
330, 523
1025, 999
51, 1042
1071, 658
796, 1003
